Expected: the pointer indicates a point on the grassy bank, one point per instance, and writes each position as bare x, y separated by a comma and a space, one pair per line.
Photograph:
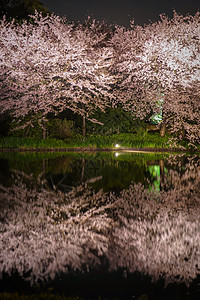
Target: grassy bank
46, 296
148, 140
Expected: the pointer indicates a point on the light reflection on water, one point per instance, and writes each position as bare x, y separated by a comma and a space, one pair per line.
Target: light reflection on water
129, 213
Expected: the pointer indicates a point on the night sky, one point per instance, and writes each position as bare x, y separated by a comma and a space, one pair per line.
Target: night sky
120, 11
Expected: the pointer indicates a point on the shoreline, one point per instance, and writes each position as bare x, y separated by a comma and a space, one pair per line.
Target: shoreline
92, 149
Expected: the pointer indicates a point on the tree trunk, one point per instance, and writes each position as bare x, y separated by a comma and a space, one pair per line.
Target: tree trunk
83, 170
43, 166
84, 128
43, 130
163, 129
162, 173
27, 131
44, 133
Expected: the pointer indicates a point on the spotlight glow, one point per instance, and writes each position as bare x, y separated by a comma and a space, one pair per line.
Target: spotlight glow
117, 146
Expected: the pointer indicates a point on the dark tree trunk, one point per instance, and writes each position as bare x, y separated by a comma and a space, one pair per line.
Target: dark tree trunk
84, 128
27, 131
44, 134
83, 170
43, 166
162, 173
43, 130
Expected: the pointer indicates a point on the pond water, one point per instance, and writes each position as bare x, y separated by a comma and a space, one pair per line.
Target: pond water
100, 224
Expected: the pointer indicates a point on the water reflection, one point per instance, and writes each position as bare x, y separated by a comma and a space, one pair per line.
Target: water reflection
64, 172
154, 229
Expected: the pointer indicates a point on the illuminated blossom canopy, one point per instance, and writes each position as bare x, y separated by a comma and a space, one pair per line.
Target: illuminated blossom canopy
48, 65
161, 62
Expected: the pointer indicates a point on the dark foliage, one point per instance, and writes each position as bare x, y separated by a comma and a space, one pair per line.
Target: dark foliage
21, 9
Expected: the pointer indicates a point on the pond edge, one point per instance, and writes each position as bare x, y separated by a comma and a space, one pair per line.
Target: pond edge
91, 149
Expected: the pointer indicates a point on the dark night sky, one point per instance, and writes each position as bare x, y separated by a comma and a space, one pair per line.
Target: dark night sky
121, 11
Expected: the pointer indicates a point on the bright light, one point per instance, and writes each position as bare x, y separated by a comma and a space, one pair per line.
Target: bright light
117, 146
116, 154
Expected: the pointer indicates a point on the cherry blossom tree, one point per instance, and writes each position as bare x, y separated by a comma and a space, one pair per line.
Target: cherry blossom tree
162, 58
173, 58
50, 65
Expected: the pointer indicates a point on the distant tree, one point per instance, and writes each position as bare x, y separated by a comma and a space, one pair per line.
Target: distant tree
50, 65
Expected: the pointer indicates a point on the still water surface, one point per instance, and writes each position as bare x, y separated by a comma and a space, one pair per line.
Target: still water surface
110, 224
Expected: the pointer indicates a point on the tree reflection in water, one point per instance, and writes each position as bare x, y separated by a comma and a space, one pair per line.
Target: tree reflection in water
45, 232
